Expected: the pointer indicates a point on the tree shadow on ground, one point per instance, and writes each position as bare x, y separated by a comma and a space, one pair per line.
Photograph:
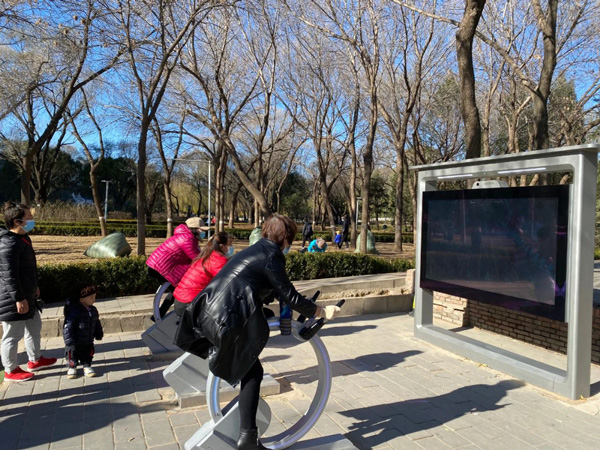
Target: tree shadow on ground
374, 425
40, 418
366, 363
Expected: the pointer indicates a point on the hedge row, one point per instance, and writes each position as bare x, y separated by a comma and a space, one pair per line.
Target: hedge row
160, 231
128, 276
156, 231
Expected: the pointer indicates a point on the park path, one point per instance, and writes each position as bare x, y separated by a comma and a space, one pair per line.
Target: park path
389, 391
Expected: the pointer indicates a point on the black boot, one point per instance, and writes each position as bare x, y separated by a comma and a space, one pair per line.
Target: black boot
249, 440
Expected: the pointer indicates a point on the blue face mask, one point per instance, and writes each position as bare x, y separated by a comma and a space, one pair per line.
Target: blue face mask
230, 251
29, 224
286, 250
202, 234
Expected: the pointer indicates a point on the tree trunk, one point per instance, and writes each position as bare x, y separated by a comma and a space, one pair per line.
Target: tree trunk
168, 206
233, 204
97, 201
26, 177
141, 190
464, 56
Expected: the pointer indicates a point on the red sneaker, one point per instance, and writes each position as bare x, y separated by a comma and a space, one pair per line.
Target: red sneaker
40, 364
17, 375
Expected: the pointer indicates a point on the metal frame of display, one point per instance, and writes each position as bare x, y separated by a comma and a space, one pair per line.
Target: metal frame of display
582, 162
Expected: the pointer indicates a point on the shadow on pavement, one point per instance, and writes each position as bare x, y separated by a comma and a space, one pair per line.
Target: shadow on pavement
367, 363
374, 425
59, 415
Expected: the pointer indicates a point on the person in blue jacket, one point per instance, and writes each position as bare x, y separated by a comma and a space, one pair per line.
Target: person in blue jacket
318, 245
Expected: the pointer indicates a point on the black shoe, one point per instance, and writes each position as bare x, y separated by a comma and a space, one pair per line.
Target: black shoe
249, 440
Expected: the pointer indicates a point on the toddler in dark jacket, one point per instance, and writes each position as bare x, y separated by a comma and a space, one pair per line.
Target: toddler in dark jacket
82, 326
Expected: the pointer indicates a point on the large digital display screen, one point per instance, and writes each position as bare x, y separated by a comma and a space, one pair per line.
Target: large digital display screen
503, 246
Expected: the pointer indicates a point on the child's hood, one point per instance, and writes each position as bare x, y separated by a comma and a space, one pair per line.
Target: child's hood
72, 303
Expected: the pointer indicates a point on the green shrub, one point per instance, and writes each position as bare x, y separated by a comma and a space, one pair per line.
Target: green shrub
114, 277
128, 276
70, 229
308, 266
159, 230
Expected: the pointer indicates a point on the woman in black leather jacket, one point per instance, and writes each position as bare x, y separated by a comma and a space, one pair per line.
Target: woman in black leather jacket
227, 317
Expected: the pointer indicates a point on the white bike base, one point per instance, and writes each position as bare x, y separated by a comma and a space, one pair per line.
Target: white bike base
187, 376
222, 430
219, 435
159, 338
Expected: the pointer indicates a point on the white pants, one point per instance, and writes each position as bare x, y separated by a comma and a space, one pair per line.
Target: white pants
13, 333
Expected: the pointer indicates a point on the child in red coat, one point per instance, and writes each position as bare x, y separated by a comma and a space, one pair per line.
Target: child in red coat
206, 265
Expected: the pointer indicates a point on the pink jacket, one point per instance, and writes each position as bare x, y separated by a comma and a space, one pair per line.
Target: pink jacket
173, 257
198, 276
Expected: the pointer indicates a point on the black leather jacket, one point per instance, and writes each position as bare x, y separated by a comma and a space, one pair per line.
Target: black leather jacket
226, 323
18, 275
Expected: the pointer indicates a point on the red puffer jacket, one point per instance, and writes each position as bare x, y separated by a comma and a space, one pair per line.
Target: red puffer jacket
173, 257
198, 276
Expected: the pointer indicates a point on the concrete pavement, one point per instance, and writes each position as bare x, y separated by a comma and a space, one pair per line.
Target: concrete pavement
389, 391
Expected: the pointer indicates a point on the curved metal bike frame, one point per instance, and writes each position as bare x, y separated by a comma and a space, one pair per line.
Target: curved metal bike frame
293, 434
157, 298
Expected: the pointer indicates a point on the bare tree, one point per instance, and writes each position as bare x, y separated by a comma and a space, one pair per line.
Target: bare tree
311, 94
94, 161
235, 72
411, 50
358, 28
60, 41
154, 34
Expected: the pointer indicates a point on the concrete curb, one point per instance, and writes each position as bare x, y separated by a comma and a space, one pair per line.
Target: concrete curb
132, 314
140, 320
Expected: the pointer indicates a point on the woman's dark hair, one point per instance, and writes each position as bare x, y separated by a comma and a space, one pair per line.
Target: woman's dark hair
278, 229
217, 243
87, 291
14, 211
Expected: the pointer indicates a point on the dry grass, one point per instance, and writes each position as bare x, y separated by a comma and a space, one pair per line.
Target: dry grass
69, 249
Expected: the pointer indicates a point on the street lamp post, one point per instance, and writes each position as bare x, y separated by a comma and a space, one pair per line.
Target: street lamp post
106, 200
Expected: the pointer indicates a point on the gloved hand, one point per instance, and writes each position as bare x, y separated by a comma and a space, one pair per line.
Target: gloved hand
329, 312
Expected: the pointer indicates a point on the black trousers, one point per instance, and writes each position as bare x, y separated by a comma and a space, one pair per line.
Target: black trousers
180, 307
345, 239
306, 238
83, 354
249, 396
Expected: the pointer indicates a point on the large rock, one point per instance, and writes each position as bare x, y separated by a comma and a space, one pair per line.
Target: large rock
112, 246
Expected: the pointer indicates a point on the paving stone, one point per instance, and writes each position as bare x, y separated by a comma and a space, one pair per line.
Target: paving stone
185, 432
158, 433
183, 418
389, 391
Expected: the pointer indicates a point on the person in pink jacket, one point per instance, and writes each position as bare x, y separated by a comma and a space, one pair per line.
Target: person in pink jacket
209, 262
172, 258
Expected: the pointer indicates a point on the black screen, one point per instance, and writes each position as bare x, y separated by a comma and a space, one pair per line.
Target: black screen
504, 246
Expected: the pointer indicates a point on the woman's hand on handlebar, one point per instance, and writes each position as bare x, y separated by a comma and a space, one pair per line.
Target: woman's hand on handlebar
328, 312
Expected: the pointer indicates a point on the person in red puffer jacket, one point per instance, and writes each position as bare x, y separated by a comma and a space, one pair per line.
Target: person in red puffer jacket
172, 258
208, 263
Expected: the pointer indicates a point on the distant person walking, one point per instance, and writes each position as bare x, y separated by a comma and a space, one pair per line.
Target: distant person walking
345, 231
20, 306
307, 231
172, 258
